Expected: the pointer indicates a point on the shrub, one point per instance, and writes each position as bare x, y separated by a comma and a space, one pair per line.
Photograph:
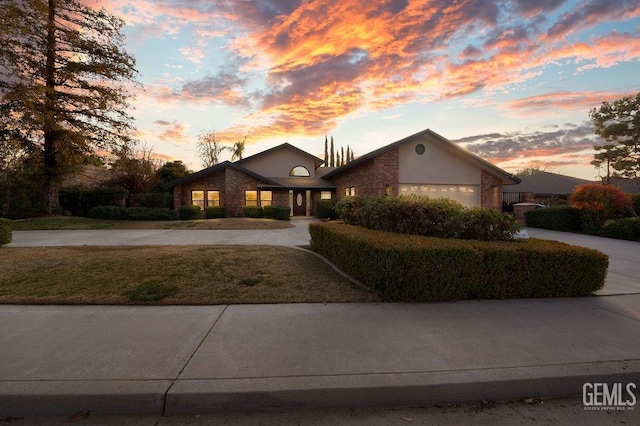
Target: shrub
190, 213
253, 211
435, 217
80, 200
557, 218
598, 203
622, 229
406, 267
277, 212
635, 198
131, 213
157, 200
6, 231
215, 212
326, 209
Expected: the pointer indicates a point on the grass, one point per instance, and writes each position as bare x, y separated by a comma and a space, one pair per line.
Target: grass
171, 275
72, 222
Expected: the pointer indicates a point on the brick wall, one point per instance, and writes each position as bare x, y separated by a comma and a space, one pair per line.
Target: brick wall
490, 191
371, 177
236, 183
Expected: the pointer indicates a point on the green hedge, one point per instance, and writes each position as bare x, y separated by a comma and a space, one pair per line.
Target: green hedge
215, 212
635, 198
557, 218
431, 217
80, 200
277, 212
131, 213
190, 213
415, 268
326, 209
157, 200
253, 211
622, 229
6, 231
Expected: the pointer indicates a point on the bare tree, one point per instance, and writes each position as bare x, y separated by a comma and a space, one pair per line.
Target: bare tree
210, 148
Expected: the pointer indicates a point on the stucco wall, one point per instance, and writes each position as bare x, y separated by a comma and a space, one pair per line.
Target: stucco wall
279, 163
437, 165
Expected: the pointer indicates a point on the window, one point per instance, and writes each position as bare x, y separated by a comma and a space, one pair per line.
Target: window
250, 198
266, 197
197, 199
213, 198
351, 191
299, 171
325, 195
467, 195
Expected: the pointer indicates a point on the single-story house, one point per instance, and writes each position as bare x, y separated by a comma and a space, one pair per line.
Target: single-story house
541, 187
423, 164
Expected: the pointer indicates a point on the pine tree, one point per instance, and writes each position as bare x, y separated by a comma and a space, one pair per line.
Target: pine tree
333, 155
326, 151
63, 70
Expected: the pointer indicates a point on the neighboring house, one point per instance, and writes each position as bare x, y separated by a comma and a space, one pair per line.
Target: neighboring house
628, 185
542, 187
422, 164
89, 176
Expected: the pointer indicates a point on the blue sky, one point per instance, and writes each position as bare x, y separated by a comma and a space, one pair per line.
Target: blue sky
512, 81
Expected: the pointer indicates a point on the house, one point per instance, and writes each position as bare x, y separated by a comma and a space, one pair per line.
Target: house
542, 187
423, 164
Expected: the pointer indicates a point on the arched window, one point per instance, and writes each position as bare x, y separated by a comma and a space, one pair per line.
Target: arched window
299, 171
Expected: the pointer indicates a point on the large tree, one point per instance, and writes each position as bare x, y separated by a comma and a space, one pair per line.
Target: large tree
63, 77
618, 123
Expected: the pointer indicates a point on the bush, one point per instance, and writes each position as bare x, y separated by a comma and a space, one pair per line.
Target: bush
433, 217
190, 213
277, 212
131, 213
414, 268
557, 218
215, 212
598, 203
635, 198
80, 200
253, 211
622, 229
6, 231
157, 200
326, 210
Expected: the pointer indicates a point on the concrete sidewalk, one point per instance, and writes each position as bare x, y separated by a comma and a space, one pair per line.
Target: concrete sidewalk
188, 359
154, 360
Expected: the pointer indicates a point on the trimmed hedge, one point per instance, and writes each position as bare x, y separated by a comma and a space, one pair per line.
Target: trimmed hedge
622, 229
253, 211
79, 200
326, 210
131, 213
557, 218
424, 269
6, 231
430, 217
190, 213
277, 212
215, 212
157, 200
635, 199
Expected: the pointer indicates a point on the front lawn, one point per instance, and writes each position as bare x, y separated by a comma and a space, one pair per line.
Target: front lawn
73, 222
174, 275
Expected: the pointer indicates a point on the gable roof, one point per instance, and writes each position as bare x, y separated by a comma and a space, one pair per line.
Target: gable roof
215, 168
629, 185
317, 161
507, 177
548, 183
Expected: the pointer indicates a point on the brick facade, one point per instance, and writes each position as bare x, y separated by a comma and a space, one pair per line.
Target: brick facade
376, 176
490, 191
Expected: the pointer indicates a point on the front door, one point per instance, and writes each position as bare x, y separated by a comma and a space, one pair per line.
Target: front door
299, 203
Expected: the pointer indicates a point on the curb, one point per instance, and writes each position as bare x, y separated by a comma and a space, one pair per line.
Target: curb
166, 397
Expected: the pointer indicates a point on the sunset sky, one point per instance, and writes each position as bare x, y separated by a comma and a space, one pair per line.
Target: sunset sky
512, 81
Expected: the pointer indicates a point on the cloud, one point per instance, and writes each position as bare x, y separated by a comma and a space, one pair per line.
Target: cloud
299, 67
564, 100
171, 131
569, 144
